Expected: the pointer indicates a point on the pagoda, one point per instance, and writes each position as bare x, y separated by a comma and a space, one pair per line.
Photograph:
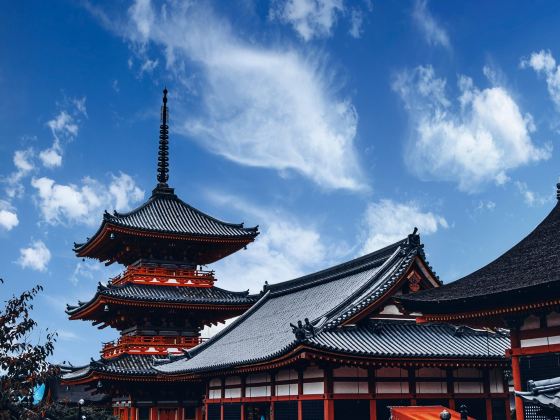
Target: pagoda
162, 300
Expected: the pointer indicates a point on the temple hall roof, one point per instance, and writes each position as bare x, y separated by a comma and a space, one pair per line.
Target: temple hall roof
327, 299
405, 338
528, 271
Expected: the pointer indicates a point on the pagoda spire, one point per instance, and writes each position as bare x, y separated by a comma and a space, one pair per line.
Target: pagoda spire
163, 152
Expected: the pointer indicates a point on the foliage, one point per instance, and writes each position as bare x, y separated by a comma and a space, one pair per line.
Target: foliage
64, 412
23, 364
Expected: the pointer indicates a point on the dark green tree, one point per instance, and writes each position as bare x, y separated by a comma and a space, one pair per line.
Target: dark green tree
23, 362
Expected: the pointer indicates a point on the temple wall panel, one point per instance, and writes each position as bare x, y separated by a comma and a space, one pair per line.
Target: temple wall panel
313, 372
232, 393
468, 387
350, 372
553, 319
350, 387
257, 391
313, 388
287, 389
391, 387
431, 387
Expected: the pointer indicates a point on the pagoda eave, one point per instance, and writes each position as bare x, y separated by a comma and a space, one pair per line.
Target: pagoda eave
94, 310
113, 243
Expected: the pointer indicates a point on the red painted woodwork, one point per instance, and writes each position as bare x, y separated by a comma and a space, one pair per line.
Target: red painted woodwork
539, 333
167, 414
329, 409
160, 276
526, 351
137, 344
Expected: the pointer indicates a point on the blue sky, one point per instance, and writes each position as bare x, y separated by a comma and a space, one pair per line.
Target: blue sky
336, 126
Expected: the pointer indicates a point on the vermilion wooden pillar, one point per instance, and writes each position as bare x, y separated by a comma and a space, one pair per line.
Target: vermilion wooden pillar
516, 372
488, 409
373, 409
328, 409
299, 410
198, 413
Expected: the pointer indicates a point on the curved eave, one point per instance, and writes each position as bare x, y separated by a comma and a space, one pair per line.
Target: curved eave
87, 311
496, 304
309, 351
95, 375
88, 249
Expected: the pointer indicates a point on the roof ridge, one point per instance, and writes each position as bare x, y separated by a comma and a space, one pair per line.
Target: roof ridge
332, 273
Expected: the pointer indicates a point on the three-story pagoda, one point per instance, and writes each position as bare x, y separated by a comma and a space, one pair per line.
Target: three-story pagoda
163, 299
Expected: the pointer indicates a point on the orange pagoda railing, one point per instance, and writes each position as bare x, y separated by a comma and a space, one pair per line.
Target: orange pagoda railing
165, 277
156, 345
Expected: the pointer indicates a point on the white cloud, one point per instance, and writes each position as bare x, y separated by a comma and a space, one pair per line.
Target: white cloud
309, 18
8, 216
285, 249
356, 23
544, 64
263, 107
433, 33
61, 204
531, 198
64, 128
386, 222
23, 161
35, 257
477, 142
51, 157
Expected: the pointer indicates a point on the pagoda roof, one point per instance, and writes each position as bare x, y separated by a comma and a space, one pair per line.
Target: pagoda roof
165, 213
180, 295
329, 299
197, 237
125, 365
528, 272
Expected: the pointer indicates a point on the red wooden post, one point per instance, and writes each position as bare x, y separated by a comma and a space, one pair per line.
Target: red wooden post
516, 372
373, 409
328, 409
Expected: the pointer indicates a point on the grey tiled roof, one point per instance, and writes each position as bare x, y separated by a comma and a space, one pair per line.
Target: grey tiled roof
264, 331
166, 213
408, 339
170, 294
530, 268
125, 364
545, 393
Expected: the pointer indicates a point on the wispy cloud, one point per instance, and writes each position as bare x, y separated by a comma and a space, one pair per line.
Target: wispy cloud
472, 144
64, 204
269, 107
544, 64
64, 128
309, 18
35, 257
530, 197
431, 29
386, 221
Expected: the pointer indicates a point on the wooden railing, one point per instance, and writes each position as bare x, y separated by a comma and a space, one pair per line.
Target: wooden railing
156, 345
165, 277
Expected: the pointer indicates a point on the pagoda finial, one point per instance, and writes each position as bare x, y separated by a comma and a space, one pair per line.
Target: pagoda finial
163, 153
558, 191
